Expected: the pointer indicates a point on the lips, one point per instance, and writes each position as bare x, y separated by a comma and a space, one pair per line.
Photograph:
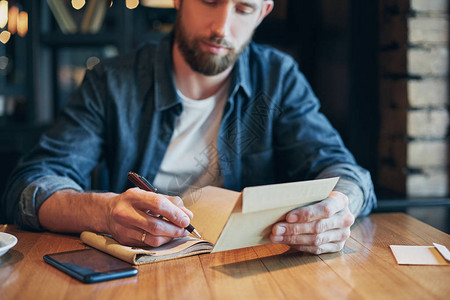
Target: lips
215, 48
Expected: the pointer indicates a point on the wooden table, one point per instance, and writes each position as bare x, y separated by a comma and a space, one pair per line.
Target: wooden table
365, 269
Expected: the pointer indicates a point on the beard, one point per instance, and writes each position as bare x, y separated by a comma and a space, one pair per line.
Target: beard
203, 62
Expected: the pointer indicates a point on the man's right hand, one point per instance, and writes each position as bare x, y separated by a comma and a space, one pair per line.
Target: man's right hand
136, 211
125, 216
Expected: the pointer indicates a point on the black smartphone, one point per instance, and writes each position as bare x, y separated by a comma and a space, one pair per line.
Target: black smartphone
90, 265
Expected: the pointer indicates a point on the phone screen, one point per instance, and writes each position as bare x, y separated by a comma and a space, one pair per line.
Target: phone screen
90, 265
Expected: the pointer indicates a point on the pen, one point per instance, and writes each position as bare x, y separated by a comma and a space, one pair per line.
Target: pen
143, 184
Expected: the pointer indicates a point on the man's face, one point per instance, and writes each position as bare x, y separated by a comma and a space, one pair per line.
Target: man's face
211, 34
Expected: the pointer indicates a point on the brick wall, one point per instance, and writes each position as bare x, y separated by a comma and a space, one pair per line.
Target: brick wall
414, 102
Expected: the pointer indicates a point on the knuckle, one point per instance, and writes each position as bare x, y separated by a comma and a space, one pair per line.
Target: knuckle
154, 241
319, 227
305, 214
326, 210
159, 200
318, 240
340, 246
119, 212
131, 193
177, 218
274, 230
155, 227
318, 250
296, 229
178, 201
288, 239
345, 234
339, 195
349, 219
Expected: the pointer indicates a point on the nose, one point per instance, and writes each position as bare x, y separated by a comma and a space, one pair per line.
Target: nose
221, 21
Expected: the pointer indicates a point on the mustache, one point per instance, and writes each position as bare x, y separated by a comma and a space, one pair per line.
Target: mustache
219, 41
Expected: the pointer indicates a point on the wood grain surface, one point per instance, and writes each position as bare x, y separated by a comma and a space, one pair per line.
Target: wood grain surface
365, 269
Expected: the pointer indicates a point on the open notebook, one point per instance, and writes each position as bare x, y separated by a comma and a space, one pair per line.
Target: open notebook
226, 219
179, 247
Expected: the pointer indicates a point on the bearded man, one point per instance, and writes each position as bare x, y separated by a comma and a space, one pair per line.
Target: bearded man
206, 106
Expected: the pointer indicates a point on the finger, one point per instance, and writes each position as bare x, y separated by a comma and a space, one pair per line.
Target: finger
125, 235
325, 248
136, 237
124, 215
164, 207
336, 235
179, 202
342, 219
158, 205
126, 218
160, 227
335, 202
176, 200
154, 241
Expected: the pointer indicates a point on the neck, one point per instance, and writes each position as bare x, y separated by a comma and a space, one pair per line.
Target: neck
193, 84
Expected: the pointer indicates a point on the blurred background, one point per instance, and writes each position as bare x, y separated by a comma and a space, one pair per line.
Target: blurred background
380, 69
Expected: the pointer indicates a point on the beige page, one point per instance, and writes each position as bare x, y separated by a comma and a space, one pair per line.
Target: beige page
212, 206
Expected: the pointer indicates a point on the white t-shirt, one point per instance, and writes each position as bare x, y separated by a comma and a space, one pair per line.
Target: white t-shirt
191, 160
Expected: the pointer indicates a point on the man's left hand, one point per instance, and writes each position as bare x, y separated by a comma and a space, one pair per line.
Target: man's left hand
318, 228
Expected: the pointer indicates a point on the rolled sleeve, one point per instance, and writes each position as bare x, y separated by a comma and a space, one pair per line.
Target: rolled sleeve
36, 193
360, 177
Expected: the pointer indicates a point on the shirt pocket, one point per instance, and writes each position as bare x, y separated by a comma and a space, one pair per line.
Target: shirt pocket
258, 168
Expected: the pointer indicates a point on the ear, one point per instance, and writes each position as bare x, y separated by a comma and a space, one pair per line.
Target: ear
266, 8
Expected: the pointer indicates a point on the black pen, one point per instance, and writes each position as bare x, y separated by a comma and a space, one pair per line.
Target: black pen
143, 184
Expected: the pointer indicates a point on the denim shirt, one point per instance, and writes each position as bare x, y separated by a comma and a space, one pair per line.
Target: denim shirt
125, 111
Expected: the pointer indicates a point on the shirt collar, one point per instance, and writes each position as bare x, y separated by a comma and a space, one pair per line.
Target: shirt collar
241, 74
165, 89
